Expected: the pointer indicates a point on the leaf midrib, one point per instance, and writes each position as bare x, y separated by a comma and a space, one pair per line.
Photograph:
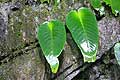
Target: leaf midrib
81, 21
51, 34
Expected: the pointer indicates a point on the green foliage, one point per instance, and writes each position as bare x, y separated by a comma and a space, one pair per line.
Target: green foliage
52, 37
117, 52
56, 2
84, 29
115, 5
95, 3
107, 1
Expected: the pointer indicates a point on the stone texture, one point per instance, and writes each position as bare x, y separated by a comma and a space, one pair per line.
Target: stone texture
24, 67
21, 57
109, 29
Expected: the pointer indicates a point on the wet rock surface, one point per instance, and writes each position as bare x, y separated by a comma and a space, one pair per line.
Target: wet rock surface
22, 59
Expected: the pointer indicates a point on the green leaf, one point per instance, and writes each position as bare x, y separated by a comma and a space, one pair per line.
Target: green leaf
107, 1
115, 5
95, 3
57, 2
84, 29
52, 37
117, 52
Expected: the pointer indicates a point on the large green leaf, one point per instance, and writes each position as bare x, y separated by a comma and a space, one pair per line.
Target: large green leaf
84, 29
52, 37
117, 52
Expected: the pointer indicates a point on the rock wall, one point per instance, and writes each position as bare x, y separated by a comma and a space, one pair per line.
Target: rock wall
21, 57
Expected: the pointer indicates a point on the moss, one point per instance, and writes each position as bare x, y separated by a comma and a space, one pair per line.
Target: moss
3, 1
42, 1
2, 78
106, 59
27, 66
21, 27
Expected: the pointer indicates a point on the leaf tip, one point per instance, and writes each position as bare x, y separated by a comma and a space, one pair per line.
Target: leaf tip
55, 67
89, 58
54, 63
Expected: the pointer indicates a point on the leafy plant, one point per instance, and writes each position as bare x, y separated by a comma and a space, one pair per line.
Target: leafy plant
96, 4
115, 5
84, 29
117, 52
52, 37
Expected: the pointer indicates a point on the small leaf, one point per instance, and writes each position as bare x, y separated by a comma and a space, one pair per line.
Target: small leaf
107, 2
117, 52
95, 3
57, 2
115, 5
52, 37
84, 29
